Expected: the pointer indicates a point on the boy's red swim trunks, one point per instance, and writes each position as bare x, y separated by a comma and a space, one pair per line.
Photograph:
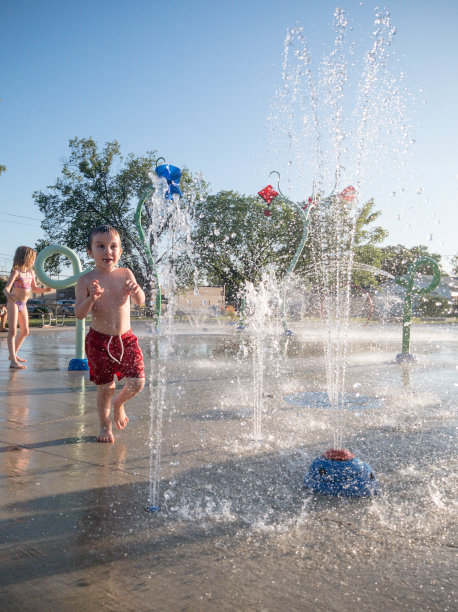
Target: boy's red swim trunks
103, 367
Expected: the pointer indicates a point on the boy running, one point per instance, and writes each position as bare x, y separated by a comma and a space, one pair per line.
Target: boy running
111, 347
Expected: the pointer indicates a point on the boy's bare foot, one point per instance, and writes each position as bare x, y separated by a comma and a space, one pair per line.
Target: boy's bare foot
20, 359
105, 434
14, 365
119, 416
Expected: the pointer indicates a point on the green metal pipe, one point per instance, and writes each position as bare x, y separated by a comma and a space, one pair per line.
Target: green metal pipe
152, 264
305, 218
407, 281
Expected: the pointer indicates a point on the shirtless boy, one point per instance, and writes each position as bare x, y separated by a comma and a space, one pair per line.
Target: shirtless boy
111, 347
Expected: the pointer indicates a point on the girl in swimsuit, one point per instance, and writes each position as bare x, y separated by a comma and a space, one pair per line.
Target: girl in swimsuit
17, 291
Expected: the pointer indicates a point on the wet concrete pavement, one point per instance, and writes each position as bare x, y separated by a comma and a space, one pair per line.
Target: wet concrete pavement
235, 532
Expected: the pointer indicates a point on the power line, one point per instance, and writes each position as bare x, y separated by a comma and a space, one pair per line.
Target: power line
22, 216
20, 223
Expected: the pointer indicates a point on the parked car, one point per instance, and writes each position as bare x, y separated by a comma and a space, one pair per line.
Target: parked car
66, 307
36, 307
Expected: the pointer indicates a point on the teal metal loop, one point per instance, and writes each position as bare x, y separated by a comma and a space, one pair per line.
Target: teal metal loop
79, 363
407, 281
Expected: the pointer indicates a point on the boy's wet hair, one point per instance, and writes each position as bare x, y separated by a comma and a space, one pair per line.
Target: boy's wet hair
101, 229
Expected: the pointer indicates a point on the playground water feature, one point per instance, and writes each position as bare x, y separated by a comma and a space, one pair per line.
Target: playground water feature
235, 524
328, 125
167, 241
236, 503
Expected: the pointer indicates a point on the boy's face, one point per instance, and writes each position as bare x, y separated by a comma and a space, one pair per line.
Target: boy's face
105, 250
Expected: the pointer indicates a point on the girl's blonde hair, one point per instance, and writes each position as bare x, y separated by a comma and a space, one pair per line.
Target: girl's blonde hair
24, 258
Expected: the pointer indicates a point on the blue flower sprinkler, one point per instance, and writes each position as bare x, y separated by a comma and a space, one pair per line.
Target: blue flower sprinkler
172, 175
338, 472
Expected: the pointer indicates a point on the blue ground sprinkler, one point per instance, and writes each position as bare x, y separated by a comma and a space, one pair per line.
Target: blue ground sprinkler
340, 473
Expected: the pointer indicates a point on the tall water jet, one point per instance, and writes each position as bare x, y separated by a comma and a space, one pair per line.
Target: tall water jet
325, 128
261, 310
167, 242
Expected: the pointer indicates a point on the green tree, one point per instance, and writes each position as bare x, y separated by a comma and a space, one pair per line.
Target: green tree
100, 186
2, 168
366, 241
53, 265
235, 242
454, 263
397, 259
337, 232
3, 282
432, 305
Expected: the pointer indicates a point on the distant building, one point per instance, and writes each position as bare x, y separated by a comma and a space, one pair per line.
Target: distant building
204, 298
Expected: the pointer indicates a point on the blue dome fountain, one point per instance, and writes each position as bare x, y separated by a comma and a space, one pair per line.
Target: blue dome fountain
340, 473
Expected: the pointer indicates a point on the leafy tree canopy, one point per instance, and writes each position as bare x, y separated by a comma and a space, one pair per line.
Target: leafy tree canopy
397, 259
235, 242
100, 186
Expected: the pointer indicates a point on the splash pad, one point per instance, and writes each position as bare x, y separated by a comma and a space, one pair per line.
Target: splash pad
228, 504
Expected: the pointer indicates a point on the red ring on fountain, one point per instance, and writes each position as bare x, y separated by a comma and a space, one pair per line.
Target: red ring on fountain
341, 454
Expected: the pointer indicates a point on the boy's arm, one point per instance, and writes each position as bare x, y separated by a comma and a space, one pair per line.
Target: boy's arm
86, 294
133, 289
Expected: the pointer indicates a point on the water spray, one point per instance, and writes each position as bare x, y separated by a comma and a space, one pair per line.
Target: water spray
170, 174
268, 194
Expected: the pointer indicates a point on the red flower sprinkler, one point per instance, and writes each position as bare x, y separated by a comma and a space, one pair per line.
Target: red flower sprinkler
348, 195
268, 194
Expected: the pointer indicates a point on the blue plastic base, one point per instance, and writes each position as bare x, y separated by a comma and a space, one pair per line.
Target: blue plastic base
406, 358
351, 478
153, 509
288, 332
78, 365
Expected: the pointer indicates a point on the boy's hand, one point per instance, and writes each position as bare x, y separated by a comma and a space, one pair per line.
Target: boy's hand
48, 289
131, 287
95, 291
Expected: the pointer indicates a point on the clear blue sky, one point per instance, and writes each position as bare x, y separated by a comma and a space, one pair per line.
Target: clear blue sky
193, 80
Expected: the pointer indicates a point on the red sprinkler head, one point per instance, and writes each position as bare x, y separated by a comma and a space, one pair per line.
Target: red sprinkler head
341, 454
267, 212
311, 202
348, 195
268, 194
